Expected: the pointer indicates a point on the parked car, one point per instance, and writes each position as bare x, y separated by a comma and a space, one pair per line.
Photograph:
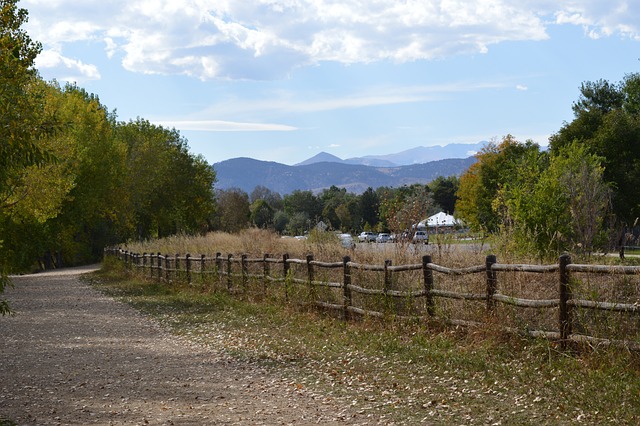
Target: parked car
346, 241
421, 237
367, 237
383, 238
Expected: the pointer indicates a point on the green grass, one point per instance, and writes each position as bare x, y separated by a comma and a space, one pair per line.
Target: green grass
409, 373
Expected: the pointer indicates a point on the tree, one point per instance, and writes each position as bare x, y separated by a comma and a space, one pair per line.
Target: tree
607, 122
332, 199
403, 208
369, 206
263, 193
443, 190
299, 223
233, 210
557, 203
170, 190
280, 221
22, 120
497, 165
303, 202
262, 214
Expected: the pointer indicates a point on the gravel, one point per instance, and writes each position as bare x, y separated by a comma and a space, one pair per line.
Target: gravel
71, 355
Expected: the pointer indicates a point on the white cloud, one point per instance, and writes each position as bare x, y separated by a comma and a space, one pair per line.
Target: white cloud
305, 102
602, 19
266, 39
224, 126
522, 87
71, 70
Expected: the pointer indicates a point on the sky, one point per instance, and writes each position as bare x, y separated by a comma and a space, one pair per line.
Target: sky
282, 80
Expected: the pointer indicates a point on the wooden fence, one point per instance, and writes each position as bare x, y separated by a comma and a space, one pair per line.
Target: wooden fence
303, 279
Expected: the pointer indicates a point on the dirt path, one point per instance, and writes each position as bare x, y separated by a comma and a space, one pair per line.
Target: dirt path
71, 355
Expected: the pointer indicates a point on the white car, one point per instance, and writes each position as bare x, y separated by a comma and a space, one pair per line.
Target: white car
367, 237
421, 237
346, 241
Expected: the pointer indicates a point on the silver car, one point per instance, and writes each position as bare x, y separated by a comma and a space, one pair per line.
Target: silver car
367, 237
383, 238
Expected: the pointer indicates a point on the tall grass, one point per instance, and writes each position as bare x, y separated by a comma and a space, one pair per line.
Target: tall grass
324, 246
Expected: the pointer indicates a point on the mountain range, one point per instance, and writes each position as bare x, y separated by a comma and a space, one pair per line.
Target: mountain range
418, 155
355, 174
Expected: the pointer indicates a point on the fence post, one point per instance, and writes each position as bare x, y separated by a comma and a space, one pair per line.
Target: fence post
159, 266
428, 284
144, 262
229, 271
565, 295
188, 266
266, 271
387, 286
219, 270
346, 283
176, 274
492, 282
245, 271
167, 267
285, 270
203, 260
311, 278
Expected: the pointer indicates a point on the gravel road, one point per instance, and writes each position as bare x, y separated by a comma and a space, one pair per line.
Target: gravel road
71, 355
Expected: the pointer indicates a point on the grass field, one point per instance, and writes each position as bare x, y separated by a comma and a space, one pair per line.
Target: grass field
392, 371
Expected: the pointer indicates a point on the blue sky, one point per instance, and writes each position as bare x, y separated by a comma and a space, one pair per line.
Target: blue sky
282, 80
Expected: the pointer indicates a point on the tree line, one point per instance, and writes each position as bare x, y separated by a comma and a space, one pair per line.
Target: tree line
382, 209
74, 179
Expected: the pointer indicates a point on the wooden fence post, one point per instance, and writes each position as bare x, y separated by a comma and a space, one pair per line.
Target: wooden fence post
177, 274
188, 267
285, 270
564, 318
144, 262
311, 278
492, 282
387, 286
346, 282
229, 271
159, 266
428, 284
167, 267
245, 271
203, 260
266, 272
219, 270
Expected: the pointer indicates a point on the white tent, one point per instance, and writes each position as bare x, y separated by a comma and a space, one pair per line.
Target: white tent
439, 220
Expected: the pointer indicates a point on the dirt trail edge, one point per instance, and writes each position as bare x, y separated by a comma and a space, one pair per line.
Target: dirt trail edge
71, 355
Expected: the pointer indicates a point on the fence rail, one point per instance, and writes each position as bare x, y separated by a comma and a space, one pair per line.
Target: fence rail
350, 298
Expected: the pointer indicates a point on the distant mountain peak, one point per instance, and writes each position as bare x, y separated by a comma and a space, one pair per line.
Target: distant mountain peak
323, 157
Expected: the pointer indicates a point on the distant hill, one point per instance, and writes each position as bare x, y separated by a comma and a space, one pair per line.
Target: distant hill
247, 173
